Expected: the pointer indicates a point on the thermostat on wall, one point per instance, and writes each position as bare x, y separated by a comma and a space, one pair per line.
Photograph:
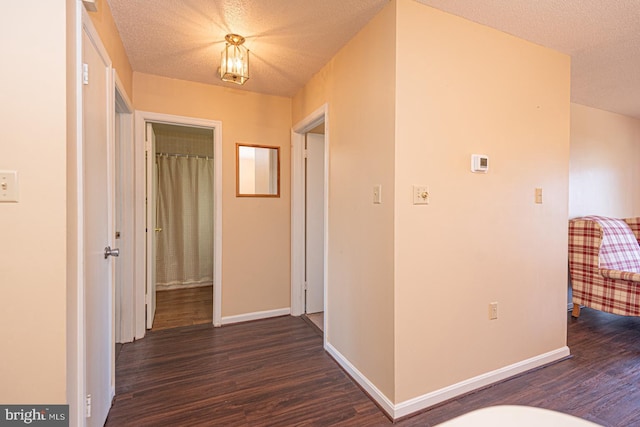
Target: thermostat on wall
479, 163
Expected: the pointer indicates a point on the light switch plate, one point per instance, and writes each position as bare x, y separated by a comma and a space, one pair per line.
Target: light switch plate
377, 194
420, 195
539, 195
493, 311
8, 186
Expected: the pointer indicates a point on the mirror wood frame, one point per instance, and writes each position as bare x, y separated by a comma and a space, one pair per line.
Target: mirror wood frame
270, 147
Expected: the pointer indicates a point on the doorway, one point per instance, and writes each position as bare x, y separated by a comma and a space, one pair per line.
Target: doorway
314, 226
183, 231
148, 127
309, 221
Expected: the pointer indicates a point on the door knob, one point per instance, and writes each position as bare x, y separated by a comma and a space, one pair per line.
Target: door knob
111, 252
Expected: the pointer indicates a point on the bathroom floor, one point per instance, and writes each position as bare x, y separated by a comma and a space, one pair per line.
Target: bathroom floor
183, 307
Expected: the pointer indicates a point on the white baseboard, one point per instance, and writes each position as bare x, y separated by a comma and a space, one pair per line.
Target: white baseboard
427, 400
256, 315
385, 404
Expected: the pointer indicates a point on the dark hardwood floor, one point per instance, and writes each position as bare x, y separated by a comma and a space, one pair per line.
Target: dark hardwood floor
275, 373
183, 307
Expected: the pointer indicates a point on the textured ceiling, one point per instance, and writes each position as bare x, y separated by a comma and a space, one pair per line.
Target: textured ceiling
290, 40
602, 37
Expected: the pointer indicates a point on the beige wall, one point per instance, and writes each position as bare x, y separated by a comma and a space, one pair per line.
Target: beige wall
256, 254
512, 105
605, 159
110, 37
464, 88
33, 256
358, 85
458, 88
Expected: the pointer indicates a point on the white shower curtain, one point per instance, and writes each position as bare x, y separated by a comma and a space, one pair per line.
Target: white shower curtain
184, 256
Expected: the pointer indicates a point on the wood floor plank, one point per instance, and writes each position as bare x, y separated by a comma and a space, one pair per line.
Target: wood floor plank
183, 307
275, 372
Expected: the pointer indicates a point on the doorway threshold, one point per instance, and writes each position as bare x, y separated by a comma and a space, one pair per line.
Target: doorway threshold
315, 320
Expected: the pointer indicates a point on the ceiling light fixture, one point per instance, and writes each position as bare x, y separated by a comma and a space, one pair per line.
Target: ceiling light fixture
234, 64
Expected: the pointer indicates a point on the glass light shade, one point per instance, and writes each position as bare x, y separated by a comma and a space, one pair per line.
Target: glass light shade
234, 62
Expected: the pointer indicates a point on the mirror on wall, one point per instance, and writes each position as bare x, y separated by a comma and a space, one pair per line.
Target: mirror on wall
257, 170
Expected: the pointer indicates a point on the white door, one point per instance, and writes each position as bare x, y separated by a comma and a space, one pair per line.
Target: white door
99, 345
117, 182
315, 223
152, 214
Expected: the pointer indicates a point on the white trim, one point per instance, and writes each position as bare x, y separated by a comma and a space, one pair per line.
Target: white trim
140, 176
151, 200
298, 132
320, 115
326, 224
312, 120
77, 389
257, 315
124, 103
139, 212
92, 33
297, 223
125, 330
383, 401
427, 400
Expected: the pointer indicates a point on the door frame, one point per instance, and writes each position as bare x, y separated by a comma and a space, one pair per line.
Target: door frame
298, 132
75, 282
151, 200
141, 117
123, 137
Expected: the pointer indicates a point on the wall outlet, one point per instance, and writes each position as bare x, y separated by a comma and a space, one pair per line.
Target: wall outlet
493, 311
